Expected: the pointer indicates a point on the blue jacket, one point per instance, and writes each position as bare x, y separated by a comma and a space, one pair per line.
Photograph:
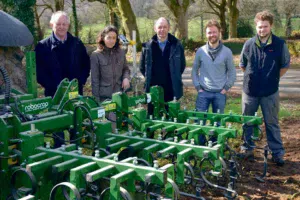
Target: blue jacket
176, 63
262, 66
50, 71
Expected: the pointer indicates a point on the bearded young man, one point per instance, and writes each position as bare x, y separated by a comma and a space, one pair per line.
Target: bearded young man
214, 62
264, 59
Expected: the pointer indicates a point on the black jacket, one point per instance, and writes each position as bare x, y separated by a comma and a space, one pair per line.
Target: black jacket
262, 67
176, 64
50, 70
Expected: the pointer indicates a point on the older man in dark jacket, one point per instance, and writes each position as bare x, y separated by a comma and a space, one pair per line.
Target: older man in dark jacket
163, 62
61, 56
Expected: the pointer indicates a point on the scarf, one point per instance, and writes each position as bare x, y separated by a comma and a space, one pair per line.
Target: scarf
214, 52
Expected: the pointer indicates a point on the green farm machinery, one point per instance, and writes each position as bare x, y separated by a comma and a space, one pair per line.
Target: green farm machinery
145, 157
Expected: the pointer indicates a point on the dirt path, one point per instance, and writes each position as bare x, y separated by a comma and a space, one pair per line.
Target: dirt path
280, 182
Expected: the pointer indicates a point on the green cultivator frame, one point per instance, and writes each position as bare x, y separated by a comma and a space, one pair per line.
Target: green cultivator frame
146, 157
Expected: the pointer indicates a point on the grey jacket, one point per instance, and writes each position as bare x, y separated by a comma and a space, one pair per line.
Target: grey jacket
215, 75
108, 69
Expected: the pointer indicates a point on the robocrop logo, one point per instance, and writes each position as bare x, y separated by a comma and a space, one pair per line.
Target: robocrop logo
140, 101
34, 107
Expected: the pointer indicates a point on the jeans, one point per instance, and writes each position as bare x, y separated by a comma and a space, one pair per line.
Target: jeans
270, 108
204, 99
216, 99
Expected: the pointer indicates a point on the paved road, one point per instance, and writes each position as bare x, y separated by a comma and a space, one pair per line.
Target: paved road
289, 84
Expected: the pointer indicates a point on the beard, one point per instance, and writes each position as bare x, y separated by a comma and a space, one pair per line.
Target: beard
213, 40
264, 36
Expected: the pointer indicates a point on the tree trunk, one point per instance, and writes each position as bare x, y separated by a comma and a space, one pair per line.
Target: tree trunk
288, 29
40, 33
219, 9
223, 22
128, 20
74, 11
59, 5
182, 23
179, 10
112, 17
233, 13
174, 29
202, 28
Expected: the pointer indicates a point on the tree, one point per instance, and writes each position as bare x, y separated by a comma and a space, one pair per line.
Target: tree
289, 8
113, 11
122, 8
219, 8
128, 20
74, 12
199, 10
59, 5
277, 19
233, 14
45, 6
179, 9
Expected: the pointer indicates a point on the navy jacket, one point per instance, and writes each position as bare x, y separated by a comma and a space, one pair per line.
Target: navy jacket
50, 69
176, 64
262, 66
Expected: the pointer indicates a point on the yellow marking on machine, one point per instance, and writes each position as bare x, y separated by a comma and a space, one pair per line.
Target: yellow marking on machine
110, 107
73, 95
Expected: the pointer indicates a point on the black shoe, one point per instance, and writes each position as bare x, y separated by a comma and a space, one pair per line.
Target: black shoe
246, 155
278, 161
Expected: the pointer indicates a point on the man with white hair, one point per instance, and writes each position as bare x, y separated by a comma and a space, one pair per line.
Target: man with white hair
60, 56
163, 62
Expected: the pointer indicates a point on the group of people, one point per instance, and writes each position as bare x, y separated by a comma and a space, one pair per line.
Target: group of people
264, 59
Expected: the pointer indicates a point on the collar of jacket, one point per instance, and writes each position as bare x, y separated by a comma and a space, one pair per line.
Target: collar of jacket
171, 38
110, 50
55, 42
269, 41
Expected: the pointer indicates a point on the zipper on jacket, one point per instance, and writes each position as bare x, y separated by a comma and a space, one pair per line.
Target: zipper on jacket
113, 69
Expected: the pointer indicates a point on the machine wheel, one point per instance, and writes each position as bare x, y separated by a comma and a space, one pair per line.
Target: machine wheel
65, 185
189, 175
22, 191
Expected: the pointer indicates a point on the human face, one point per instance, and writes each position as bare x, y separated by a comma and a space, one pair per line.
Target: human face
61, 27
212, 35
110, 39
263, 29
162, 28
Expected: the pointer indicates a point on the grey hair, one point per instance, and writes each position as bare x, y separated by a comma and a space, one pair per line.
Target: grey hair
168, 21
55, 16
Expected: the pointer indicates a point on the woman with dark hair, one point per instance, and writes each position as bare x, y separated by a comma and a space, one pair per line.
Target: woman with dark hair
109, 70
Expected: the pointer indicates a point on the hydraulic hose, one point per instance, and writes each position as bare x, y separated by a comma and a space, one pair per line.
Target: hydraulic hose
232, 192
7, 84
